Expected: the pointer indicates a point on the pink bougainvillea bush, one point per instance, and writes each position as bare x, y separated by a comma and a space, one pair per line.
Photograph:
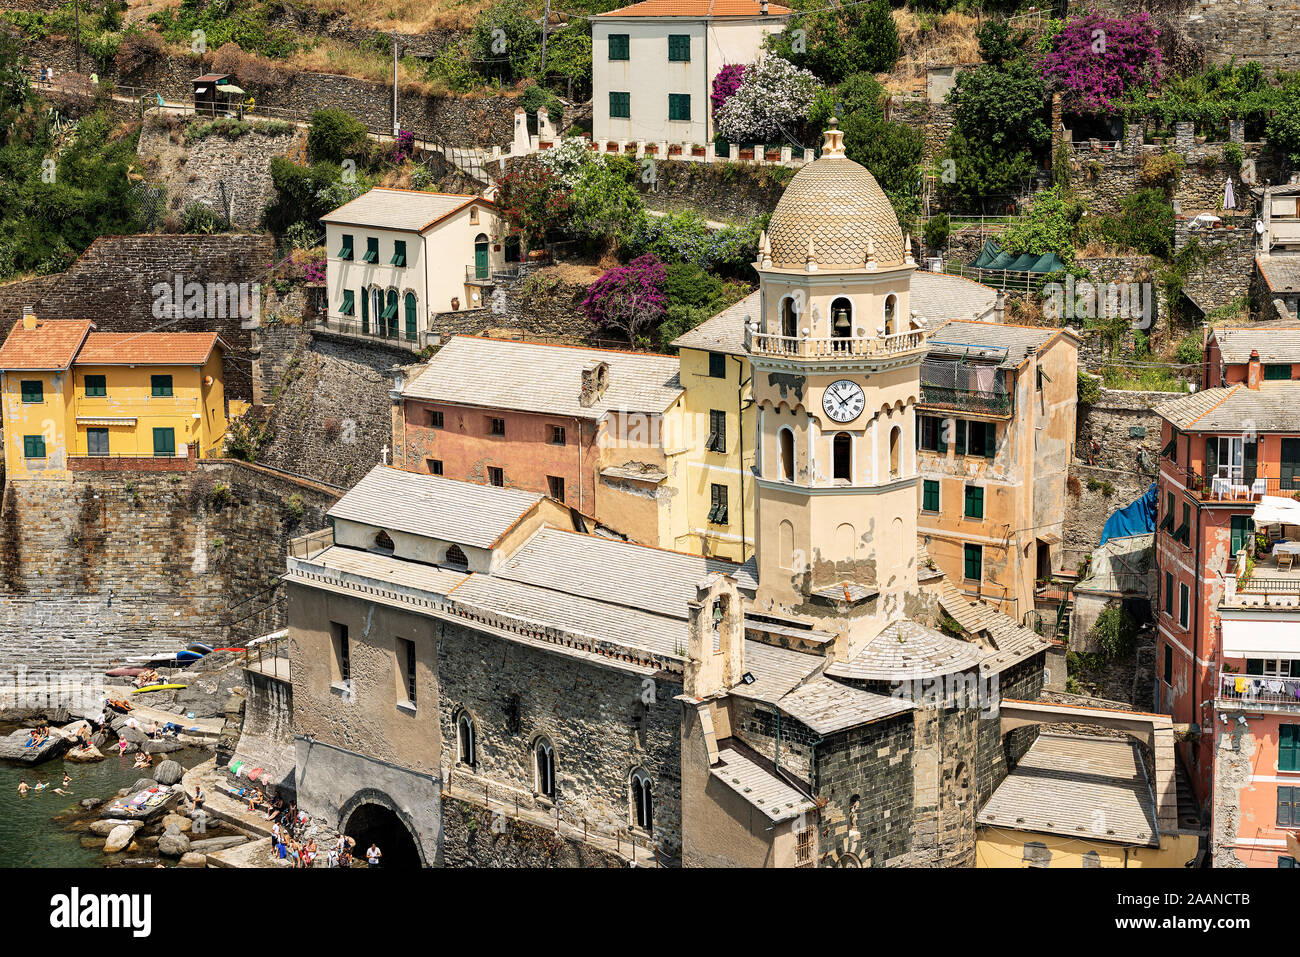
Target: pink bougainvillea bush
1096, 59
628, 299
725, 83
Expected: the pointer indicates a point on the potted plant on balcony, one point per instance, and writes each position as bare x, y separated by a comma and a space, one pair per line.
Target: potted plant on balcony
697, 149
674, 149
772, 153
745, 154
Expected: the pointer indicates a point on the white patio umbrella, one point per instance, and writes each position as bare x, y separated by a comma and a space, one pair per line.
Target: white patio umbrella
1229, 200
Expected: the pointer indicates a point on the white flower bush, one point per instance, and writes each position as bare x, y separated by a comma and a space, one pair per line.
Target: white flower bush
774, 96
568, 159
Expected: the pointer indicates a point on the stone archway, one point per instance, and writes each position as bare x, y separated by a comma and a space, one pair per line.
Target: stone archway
372, 816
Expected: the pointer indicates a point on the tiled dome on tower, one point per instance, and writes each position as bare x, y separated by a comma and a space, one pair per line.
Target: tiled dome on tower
838, 205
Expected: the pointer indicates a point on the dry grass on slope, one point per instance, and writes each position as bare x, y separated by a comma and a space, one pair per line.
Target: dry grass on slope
930, 39
403, 16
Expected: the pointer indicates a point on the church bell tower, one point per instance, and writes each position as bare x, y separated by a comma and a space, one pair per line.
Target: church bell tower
836, 358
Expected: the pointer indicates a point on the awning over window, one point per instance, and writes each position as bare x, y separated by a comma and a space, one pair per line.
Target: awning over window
106, 420
1260, 638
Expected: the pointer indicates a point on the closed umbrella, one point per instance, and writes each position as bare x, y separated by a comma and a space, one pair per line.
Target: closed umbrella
1229, 201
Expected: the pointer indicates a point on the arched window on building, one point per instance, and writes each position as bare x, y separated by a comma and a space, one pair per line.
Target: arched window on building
842, 317
843, 457
384, 542
787, 455
465, 739
891, 314
642, 800
895, 452
789, 318
456, 556
544, 768
412, 321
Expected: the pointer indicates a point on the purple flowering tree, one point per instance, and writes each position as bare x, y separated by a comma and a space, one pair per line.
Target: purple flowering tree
726, 83
629, 299
1096, 59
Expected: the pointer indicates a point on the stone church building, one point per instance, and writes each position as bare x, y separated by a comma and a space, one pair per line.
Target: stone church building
834, 701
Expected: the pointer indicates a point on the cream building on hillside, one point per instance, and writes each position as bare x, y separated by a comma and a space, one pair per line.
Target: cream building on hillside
396, 257
653, 64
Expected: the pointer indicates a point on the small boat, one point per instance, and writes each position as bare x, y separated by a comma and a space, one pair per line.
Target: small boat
199, 646
189, 655
125, 672
156, 688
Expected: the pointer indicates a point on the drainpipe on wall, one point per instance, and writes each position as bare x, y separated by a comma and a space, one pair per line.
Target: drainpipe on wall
740, 431
578, 424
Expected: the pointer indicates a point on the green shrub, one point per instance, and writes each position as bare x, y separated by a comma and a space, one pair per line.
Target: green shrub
1089, 389
936, 231
1190, 350
201, 219
335, 136
1114, 632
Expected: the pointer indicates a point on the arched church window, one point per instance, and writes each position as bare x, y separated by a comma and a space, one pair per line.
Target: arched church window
895, 451
465, 739
384, 542
456, 556
544, 768
642, 800
891, 317
789, 318
841, 317
787, 455
843, 457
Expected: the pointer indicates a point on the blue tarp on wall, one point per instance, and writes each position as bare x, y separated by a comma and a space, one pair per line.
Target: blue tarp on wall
1136, 518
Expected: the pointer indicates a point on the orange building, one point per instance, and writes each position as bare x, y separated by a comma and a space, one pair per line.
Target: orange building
1228, 626
599, 430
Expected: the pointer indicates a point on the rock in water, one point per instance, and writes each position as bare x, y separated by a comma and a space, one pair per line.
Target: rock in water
83, 755
141, 784
180, 821
118, 838
193, 859
173, 843
91, 803
108, 825
169, 772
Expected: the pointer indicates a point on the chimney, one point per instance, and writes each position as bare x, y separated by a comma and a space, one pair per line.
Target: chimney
595, 380
1253, 370
29, 317
1000, 307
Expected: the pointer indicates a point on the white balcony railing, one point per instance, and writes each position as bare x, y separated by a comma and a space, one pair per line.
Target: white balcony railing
834, 347
1260, 689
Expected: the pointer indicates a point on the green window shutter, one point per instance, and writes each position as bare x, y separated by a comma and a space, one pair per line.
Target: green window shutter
619, 47
679, 48
372, 251
717, 365
33, 390
349, 303
399, 252
961, 436
990, 439
1288, 747
679, 106
1169, 593
1287, 813
365, 312
96, 386
411, 323
34, 446
974, 501
974, 562
941, 430
164, 442
620, 105
1241, 533
160, 386
1277, 371
930, 496
345, 251
1290, 471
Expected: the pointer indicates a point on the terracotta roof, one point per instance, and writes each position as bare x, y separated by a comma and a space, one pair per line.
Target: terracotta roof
52, 345
149, 348
698, 8
1270, 408
403, 209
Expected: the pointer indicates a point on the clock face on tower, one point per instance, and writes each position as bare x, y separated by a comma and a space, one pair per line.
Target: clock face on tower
843, 400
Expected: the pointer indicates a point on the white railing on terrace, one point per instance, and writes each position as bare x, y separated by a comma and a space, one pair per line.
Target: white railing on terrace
833, 347
1259, 689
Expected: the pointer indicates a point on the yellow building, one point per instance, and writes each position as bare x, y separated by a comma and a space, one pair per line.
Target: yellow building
78, 400
1078, 800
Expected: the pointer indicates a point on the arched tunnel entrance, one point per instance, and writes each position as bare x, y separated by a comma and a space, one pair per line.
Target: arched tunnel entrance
376, 824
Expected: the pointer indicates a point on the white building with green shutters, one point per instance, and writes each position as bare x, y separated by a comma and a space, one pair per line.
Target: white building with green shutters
396, 257
653, 65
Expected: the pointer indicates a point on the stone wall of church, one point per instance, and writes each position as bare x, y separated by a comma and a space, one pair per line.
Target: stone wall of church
593, 716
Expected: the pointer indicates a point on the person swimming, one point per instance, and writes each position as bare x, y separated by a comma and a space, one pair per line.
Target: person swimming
23, 787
